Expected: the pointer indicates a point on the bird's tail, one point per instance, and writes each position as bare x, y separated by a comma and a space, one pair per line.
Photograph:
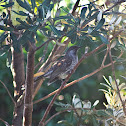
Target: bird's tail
38, 76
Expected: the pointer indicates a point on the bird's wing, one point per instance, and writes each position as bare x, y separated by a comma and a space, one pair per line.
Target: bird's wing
60, 67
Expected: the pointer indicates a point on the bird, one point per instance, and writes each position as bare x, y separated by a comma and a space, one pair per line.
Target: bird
62, 67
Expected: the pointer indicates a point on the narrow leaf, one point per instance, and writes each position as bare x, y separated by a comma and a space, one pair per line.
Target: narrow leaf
8, 5
46, 2
33, 4
70, 33
100, 24
6, 28
57, 32
2, 37
33, 28
21, 13
73, 38
24, 5
83, 11
23, 22
62, 17
90, 19
103, 39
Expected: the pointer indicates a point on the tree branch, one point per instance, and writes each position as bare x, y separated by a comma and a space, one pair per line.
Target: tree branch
43, 57
44, 44
6, 123
75, 7
75, 109
8, 92
119, 2
28, 104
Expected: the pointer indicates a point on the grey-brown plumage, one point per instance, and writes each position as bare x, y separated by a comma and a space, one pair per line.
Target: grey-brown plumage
63, 66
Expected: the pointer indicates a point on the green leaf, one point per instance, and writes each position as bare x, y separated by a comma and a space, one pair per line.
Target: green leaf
100, 24
6, 28
83, 36
33, 4
24, 5
102, 113
41, 12
70, 33
30, 37
56, 32
103, 39
46, 2
62, 17
34, 28
2, 37
8, 5
21, 13
23, 23
4, 49
83, 11
70, 22
90, 18
94, 120
73, 38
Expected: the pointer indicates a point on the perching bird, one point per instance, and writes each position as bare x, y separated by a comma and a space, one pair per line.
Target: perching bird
62, 68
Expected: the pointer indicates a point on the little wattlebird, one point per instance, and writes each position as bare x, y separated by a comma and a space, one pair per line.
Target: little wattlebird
62, 68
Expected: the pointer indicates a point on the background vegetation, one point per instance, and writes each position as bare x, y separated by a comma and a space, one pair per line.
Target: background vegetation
38, 27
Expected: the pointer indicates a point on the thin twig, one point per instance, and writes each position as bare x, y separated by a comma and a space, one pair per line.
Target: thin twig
117, 86
6, 123
119, 2
75, 7
43, 57
8, 92
55, 115
74, 109
44, 43
104, 59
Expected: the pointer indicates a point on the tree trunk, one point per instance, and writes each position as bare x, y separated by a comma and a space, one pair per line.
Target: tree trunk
17, 68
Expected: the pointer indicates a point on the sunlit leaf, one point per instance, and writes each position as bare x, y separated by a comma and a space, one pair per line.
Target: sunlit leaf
21, 13
109, 87
33, 4
24, 4
8, 5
